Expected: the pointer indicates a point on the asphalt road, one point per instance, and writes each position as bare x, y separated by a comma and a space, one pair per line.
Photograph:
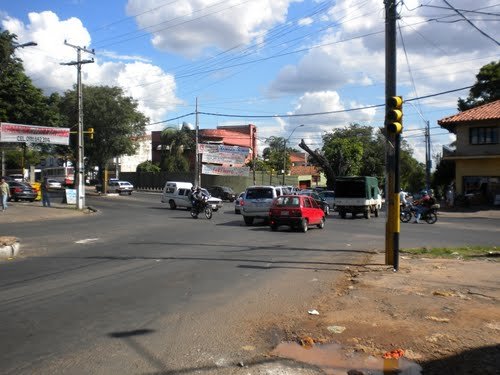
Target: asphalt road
139, 289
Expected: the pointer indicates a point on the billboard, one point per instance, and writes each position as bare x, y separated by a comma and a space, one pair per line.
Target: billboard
33, 134
221, 170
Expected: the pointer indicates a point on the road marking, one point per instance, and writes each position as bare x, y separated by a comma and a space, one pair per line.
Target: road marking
87, 240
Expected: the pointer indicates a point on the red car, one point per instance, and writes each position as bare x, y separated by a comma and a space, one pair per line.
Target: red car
296, 211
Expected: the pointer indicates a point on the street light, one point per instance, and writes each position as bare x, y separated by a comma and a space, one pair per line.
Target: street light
284, 151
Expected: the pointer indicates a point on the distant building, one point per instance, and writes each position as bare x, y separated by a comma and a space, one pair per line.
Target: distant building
477, 151
234, 135
129, 163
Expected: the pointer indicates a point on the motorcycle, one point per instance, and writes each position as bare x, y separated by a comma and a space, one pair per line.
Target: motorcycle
202, 206
408, 211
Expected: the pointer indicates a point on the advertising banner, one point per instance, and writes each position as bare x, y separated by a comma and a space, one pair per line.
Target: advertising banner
211, 148
224, 158
225, 171
33, 134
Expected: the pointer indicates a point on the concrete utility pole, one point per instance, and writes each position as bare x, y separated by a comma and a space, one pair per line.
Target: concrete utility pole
393, 139
80, 175
197, 171
428, 160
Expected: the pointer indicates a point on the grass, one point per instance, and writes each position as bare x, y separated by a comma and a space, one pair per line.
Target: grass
466, 252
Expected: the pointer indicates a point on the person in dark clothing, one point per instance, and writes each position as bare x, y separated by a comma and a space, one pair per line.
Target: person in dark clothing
45, 193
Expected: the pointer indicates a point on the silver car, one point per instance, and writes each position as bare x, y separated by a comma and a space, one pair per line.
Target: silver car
237, 203
257, 202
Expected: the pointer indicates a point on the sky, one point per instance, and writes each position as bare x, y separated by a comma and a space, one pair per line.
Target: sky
277, 64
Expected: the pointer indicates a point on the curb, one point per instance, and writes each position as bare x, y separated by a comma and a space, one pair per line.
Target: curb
9, 248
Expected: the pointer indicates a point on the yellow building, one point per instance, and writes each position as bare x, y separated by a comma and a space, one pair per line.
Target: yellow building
477, 154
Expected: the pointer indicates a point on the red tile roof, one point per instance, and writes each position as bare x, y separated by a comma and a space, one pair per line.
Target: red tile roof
301, 170
489, 111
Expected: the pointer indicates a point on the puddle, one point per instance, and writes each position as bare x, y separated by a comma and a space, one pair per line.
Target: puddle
335, 361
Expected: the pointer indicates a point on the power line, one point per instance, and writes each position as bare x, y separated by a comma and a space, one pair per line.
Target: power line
470, 23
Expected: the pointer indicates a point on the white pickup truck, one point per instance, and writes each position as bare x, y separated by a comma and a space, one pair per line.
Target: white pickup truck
176, 194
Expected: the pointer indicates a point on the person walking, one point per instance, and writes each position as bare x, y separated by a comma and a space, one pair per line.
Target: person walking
45, 193
4, 193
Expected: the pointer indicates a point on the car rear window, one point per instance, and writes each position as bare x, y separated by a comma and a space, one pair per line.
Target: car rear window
288, 202
259, 193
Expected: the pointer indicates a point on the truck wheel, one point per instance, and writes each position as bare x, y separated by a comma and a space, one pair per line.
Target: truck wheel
367, 214
342, 214
172, 204
376, 212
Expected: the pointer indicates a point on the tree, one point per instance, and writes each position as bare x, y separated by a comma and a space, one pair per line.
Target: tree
115, 119
485, 90
174, 147
148, 166
412, 172
345, 155
23, 103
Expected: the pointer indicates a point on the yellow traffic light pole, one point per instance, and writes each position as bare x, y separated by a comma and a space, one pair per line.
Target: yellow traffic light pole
393, 127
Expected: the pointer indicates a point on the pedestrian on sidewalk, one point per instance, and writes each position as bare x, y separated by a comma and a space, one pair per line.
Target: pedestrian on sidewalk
4, 193
45, 193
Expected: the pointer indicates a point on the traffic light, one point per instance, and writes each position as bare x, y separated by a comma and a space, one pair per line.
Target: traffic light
91, 133
394, 116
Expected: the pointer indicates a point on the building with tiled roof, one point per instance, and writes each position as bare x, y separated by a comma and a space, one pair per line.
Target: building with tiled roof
477, 150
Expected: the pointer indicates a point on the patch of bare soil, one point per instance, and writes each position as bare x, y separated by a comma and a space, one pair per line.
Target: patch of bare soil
444, 314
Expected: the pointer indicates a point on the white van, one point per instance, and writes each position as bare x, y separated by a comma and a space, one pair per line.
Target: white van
176, 194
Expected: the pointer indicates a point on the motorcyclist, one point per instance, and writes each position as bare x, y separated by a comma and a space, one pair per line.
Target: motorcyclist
423, 204
198, 197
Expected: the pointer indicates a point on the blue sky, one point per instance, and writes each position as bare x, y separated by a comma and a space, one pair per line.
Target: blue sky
247, 59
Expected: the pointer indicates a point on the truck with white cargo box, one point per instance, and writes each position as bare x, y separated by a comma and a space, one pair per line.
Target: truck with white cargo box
356, 195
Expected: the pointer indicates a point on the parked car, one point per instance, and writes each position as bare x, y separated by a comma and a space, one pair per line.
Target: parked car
258, 199
120, 187
237, 203
21, 191
329, 197
53, 184
296, 211
319, 200
223, 192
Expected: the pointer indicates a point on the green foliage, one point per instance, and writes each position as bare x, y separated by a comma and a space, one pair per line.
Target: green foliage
116, 121
356, 150
175, 144
344, 154
274, 156
485, 90
466, 252
412, 172
444, 174
148, 166
14, 158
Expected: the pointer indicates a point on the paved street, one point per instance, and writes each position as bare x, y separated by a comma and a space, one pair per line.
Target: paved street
139, 288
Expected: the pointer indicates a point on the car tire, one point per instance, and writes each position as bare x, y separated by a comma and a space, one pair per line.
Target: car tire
129, 193
248, 220
321, 225
172, 204
304, 225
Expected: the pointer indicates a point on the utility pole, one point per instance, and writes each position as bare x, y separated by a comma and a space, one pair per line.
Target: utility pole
197, 172
393, 128
80, 175
428, 160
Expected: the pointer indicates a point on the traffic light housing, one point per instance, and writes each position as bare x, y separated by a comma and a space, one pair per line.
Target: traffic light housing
91, 133
394, 116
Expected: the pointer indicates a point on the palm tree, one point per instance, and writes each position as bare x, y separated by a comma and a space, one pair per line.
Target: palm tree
174, 145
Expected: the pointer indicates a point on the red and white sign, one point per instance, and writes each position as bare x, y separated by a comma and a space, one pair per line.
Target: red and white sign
224, 171
33, 134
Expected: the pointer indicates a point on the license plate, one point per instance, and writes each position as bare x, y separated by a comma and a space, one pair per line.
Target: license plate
285, 213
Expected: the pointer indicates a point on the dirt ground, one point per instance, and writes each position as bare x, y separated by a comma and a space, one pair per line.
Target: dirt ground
443, 313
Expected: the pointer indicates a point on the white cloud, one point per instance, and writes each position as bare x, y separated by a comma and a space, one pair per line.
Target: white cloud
204, 24
148, 84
